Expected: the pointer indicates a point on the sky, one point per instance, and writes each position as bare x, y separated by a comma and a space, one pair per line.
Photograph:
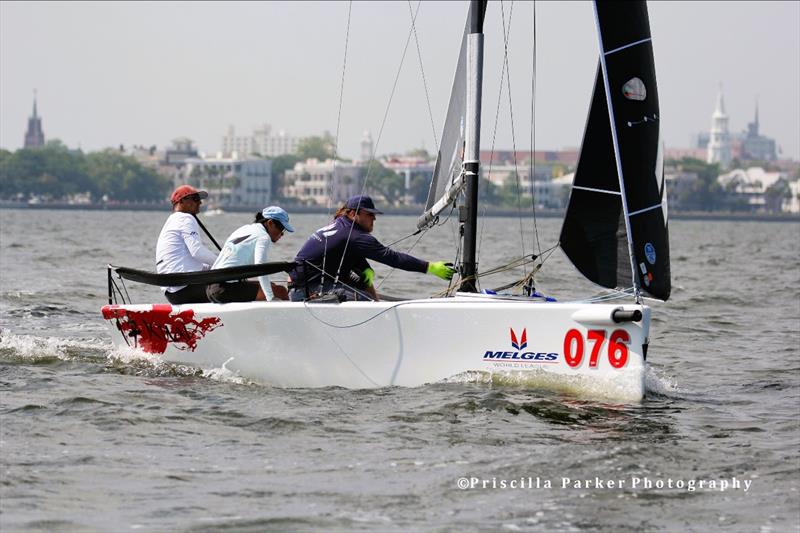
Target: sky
144, 73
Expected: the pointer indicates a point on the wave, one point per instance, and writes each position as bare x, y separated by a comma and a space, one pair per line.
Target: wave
44, 350
35, 350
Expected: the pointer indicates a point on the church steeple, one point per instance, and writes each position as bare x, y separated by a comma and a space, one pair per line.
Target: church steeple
34, 136
756, 122
719, 144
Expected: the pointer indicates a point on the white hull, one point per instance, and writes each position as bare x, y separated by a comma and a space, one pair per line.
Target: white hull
408, 343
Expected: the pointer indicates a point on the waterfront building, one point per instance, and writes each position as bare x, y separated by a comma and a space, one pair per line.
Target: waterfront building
568, 158
792, 204
182, 149
679, 153
700, 141
262, 143
752, 187
323, 183
719, 144
409, 168
756, 147
500, 174
245, 181
34, 136
680, 186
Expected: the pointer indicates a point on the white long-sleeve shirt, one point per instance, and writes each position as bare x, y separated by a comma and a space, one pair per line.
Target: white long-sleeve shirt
248, 245
180, 249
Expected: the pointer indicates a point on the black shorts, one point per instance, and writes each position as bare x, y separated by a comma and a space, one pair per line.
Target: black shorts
191, 294
343, 292
238, 291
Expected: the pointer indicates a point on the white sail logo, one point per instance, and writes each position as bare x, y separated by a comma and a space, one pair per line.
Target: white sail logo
634, 89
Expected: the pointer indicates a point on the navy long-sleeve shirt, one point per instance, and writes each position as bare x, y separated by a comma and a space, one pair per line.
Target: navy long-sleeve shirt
329, 243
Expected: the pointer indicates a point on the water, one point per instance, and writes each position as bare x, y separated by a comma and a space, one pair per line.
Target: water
93, 439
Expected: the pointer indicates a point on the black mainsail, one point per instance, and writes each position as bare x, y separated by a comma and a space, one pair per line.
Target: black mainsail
615, 229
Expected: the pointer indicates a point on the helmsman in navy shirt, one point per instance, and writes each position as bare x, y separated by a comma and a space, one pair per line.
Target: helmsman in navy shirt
320, 268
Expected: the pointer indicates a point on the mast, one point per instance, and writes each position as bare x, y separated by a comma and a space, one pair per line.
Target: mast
469, 219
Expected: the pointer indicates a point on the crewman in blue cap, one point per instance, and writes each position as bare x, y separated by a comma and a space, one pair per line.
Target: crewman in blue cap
334, 258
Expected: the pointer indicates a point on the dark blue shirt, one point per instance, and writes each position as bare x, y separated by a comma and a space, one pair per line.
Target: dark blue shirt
337, 239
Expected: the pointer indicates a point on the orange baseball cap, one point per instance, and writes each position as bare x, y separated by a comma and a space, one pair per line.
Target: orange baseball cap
186, 190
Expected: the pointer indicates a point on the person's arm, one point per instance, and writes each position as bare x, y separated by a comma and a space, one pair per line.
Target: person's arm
260, 256
191, 236
372, 249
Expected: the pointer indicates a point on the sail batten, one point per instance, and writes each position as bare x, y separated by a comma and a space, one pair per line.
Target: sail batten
627, 46
591, 189
645, 210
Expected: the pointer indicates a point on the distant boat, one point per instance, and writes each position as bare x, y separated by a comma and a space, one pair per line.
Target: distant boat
213, 211
615, 232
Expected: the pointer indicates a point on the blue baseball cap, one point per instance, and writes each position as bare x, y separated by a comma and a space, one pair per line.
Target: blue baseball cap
362, 203
279, 215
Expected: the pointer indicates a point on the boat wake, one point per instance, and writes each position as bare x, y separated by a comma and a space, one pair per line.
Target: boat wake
35, 350
656, 384
134, 361
45, 350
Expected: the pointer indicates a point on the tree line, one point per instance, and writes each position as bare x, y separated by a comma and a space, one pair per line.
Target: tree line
56, 172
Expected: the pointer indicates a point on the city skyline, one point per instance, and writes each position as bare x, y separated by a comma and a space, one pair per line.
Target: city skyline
145, 74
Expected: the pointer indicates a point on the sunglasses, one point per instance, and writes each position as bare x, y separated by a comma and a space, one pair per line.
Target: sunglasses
278, 225
193, 197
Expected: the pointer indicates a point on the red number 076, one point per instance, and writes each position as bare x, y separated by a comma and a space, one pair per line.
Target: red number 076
617, 347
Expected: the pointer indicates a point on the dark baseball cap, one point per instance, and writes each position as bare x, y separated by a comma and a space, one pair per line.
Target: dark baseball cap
362, 203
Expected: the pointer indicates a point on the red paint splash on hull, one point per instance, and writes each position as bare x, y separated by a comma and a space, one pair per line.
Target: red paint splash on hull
153, 330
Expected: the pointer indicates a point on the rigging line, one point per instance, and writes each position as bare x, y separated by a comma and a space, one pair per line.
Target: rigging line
408, 251
127, 297
341, 99
450, 284
345, 354
424, 81
336, 280
318, 319
532, 171
511, 117
491, 153
338, 125
380, 133
401, 239
614, 294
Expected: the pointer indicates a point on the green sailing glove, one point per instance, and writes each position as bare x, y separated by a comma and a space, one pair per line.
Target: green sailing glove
441, 269
368, 277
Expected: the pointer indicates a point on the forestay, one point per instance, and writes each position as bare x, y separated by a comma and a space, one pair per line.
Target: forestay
615, 229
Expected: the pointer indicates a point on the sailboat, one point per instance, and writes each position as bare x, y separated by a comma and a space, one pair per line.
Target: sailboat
614, 232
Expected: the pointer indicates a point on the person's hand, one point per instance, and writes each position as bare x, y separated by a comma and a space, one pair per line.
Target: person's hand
368, 277
441, 269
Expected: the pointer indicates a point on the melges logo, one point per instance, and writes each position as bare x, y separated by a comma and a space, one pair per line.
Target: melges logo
523, 342
519, 344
